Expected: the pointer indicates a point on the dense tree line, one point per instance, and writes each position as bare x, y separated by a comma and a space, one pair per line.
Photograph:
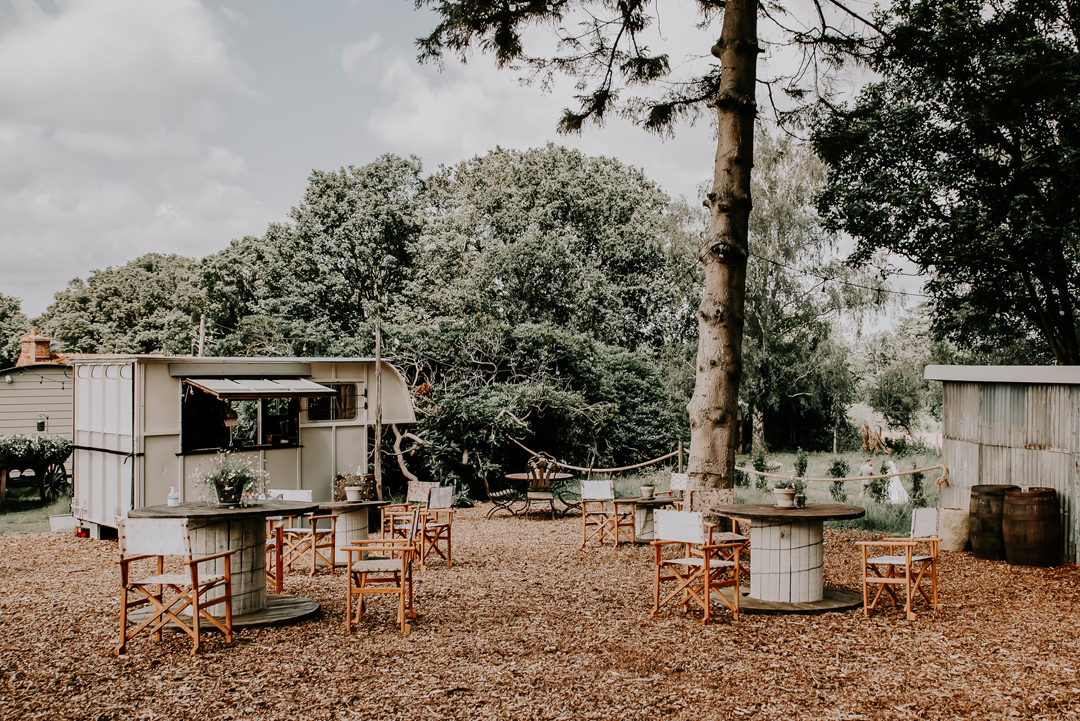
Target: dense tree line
543, 295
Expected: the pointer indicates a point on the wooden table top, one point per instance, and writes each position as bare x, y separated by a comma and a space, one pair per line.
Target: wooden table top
201, 511
346, 506
812, 511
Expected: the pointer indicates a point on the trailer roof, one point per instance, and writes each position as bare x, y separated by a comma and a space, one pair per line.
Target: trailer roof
1052, 375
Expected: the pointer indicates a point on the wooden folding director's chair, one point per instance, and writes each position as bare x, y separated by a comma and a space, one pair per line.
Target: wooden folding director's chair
144, 538
910, 563
382, 565
698, 571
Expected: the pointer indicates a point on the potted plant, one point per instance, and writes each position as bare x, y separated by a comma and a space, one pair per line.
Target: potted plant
800, 492
230, 481
784, 493
647, 490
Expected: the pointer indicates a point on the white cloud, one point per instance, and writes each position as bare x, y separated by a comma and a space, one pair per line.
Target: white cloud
356, 59
104, 65
107, 112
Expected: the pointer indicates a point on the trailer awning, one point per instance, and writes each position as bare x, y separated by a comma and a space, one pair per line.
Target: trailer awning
253, 388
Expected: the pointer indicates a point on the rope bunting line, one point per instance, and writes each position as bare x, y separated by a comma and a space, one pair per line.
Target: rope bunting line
941, 482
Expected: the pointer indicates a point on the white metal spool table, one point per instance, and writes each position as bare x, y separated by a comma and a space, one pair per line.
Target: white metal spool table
787, 551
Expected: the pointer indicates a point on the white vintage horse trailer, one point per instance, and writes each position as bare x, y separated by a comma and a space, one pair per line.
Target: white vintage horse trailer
145, 424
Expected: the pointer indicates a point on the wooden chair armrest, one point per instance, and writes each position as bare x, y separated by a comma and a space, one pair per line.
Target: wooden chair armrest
128, 559
200, 559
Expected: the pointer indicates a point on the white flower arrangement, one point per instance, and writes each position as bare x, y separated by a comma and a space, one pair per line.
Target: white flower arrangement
231, 480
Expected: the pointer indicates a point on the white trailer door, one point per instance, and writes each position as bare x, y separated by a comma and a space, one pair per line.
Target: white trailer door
104, 441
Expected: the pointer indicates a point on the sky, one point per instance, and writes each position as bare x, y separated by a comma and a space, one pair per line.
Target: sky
174, 126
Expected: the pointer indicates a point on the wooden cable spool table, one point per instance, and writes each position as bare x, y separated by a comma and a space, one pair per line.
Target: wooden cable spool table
787, 551
242, 529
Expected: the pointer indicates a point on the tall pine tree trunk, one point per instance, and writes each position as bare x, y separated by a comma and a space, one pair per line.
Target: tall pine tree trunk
714, 407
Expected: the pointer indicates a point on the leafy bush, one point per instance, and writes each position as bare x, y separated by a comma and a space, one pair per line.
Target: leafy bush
760, 461
903, 448
802, 458
742, 479
38, 451
918, 494
839, 468
878, 488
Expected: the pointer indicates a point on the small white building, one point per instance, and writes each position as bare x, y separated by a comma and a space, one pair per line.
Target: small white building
1016, 425
145, 424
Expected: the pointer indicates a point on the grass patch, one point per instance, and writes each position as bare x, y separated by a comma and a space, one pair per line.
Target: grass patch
24, 512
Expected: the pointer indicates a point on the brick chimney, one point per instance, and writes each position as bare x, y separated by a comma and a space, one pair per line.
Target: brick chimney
34, 348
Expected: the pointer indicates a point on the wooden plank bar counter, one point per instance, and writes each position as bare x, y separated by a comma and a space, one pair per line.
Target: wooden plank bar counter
242, 529
787, 552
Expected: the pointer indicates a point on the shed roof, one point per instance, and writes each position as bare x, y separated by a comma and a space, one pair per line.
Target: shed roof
1052, 375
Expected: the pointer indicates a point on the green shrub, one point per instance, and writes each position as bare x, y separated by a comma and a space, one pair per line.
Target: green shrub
35, 451
742, 479
918, 494
839, 468
760, 461
802, 458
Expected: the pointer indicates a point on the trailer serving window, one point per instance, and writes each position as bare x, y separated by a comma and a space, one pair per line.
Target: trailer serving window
227, 414
340, 407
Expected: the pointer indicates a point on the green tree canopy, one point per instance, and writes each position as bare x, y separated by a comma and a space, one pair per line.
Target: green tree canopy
138, 307
963, 158
13, 325
548, 235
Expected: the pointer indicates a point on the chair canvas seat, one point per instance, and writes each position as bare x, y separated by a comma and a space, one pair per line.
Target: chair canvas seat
376, 565
388, 571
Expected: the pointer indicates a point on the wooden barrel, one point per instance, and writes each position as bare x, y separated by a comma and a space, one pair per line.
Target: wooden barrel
1031, 526
987, 539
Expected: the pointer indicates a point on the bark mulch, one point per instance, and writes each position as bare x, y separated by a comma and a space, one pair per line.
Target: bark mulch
526, 625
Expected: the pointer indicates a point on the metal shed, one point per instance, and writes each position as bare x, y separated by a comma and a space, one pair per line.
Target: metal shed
1013, 425
145, 424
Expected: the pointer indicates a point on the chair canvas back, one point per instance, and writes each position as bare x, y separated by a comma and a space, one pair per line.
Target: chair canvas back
440, 497
924, 522
291, 495
418, 491
679, 481
597, 490
681, 526
154, 536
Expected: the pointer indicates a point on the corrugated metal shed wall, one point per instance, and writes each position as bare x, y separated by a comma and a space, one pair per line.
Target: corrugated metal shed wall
1012, 433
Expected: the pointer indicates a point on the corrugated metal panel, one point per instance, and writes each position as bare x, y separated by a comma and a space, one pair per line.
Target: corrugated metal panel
1048, 418
962, 460
1001, 414
995, 465
960, 414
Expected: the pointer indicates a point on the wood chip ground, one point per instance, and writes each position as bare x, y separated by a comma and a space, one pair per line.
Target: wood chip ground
526, 625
